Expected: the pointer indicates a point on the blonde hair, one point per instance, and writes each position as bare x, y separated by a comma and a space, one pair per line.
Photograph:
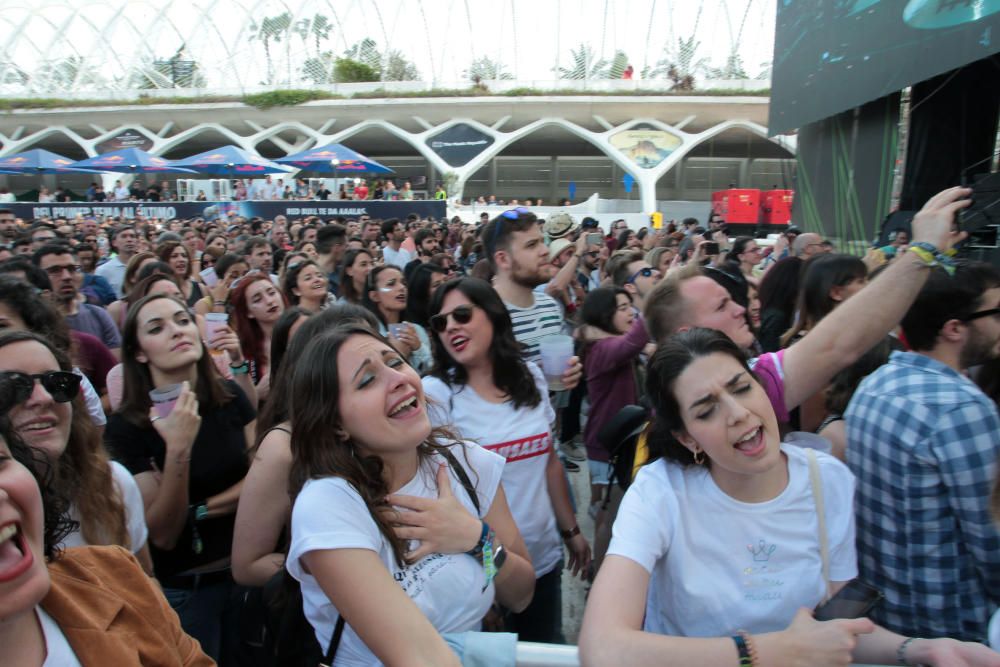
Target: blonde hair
666, 311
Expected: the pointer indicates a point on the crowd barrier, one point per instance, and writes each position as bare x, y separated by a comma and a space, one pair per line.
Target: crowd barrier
530, 654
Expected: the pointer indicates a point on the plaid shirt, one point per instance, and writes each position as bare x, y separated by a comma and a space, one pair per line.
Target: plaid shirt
923, 442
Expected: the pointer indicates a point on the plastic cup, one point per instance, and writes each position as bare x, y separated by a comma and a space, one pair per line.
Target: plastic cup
209, 277
214, 322
556, 352
808, 440
164, 399
396, 329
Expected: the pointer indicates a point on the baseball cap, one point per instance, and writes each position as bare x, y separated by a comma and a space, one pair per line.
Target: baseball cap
559, 225
589, 223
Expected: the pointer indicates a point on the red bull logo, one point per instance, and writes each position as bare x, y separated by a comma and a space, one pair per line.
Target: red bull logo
214, 156
62, 162
14, 160
111, 159
324, 154
243, 168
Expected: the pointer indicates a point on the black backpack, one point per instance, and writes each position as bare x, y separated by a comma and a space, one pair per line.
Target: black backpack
619, 436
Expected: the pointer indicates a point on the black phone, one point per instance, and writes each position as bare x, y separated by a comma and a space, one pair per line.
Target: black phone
709, 248
855, 600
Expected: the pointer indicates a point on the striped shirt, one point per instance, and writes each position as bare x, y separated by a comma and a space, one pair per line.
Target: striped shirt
534, 323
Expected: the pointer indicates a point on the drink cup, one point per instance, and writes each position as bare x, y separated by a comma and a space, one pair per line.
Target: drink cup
396, 329
214, 322
556, 352
164, 399
209, 277
809, 441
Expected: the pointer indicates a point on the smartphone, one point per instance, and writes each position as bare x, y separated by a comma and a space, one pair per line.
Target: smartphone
709, 248
595, 239
855, 600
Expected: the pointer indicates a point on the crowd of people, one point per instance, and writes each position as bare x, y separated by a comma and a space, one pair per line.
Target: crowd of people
264, 442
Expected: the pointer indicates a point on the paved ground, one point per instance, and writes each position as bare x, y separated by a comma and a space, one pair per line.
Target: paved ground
573, 589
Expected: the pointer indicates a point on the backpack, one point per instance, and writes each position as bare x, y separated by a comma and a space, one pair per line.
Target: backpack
619, 436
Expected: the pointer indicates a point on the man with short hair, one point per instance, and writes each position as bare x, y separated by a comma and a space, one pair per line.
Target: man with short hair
95, 288
630, 271
66, 276
8, 225
258, 254
330, 247
923, 441
42, 234
124, 241
392, 253
807, 245
686, 299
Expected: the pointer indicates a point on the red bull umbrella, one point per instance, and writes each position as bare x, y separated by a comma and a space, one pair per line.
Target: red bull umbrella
231, 161
131, 161
334, 158
39, 161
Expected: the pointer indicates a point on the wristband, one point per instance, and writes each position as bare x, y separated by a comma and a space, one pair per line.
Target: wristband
745, 648
932, 257
241, 369
901, 650
571, 533
477, 551
199, 511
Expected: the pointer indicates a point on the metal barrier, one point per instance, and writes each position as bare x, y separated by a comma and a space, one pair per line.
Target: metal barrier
531, 654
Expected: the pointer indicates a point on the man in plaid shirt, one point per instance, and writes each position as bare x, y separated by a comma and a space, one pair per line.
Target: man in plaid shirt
923, 441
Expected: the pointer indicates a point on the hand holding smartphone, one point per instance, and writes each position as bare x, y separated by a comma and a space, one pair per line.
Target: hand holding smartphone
855, 600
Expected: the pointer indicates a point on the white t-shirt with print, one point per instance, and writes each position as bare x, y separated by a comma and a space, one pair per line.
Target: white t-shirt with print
523, 437
449, 589
717, 564
135, 516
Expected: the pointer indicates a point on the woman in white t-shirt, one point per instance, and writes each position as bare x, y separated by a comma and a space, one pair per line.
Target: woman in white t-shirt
716, 556
486, 391
51, 417
385, 531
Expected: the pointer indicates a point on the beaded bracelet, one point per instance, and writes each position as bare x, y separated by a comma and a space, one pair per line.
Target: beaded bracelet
901, 650
746, 649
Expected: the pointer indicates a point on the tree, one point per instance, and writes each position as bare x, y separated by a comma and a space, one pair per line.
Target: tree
271, 28
388, 65
318, 27
486, 69
353, 71
177, 71
733, 69
12, 74
68, 73
398, 68
679, 62
585, 65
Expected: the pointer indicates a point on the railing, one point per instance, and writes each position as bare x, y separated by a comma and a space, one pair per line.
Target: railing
530, 654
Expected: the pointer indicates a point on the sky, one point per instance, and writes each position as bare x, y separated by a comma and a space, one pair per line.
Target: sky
529, 37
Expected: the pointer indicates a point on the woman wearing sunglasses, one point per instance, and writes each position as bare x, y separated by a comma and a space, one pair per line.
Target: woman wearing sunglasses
386, 299
483, 388
189, 464
48, 413
726, 541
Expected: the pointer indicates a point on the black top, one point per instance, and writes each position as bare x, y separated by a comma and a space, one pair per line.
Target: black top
218, 461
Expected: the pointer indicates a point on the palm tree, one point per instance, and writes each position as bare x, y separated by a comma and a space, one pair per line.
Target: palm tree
486, 69
679, 60
585, 65
271, 28
318, 27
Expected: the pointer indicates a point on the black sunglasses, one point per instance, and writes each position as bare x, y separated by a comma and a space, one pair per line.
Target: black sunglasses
461, 315
645, 272
63, 386
981, 313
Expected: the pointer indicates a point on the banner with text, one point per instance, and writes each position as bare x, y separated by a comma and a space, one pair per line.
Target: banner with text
248, 209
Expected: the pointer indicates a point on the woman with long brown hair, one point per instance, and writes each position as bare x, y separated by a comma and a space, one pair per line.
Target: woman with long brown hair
369, 478
178, 257
51, 417
189, 463
119, 309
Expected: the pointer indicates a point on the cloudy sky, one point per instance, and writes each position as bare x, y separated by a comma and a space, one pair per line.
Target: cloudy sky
530, 37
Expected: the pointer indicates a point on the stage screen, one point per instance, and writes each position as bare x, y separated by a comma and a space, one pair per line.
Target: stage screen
833, 55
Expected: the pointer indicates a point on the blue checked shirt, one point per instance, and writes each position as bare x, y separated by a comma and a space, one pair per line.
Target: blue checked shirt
923, 441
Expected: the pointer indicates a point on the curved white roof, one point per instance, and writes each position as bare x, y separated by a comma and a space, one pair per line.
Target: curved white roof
48, 47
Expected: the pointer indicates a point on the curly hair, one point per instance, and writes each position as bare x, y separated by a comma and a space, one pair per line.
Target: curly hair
83, 472
57, 523
317, 443
510, 372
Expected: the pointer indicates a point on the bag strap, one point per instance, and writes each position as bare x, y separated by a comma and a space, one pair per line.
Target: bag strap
817, 490
331, 652
463, 477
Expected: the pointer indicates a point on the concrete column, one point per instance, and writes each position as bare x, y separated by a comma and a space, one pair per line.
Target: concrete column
554, 182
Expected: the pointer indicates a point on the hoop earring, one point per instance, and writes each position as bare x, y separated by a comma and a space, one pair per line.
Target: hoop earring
699, 457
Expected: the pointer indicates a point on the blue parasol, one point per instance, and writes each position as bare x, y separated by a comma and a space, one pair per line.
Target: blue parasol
230, 161
334, 158
39, 161
130, 161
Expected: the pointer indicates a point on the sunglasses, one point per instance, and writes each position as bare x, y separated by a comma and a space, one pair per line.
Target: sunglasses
991, 312
645, 272
63, 386
461, 315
